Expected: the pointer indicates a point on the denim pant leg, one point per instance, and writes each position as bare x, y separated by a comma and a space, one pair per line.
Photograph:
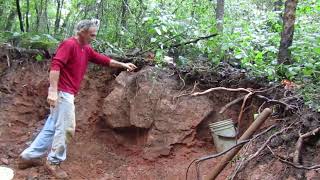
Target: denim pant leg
41, 143
64, 127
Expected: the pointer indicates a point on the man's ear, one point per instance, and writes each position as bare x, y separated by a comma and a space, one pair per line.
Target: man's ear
83, 31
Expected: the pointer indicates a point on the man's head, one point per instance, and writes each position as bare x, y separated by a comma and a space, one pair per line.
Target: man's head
86, 30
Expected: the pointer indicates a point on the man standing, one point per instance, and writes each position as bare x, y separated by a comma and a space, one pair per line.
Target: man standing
68, 67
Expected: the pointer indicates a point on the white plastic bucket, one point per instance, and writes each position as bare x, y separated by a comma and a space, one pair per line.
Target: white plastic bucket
224, 134
6, 173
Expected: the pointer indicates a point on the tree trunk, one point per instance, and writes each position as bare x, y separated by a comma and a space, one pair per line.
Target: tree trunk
10, 20
39, 14
46, 16
123, 20
27, 16
284, 55
1, 8
138, 32
124, 13
56, 22
20, 15
58, 16
220, 15
36, 8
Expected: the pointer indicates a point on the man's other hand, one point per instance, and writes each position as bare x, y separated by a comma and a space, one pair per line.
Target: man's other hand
52, 97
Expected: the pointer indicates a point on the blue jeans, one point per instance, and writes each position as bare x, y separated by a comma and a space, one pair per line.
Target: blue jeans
57, 131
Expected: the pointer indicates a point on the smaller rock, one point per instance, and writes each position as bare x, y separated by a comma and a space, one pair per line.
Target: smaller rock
12, 154
107, 176
5, 161
312, 175
291, 178
152, 153
32, 175
99, 162
291, 155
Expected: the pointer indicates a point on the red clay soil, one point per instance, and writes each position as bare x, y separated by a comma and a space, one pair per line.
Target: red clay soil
97, 151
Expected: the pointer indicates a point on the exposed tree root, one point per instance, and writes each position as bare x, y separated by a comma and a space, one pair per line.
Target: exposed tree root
250, 94
299, 144
298, 166
199, 160
187, 94
224, 108
284, 103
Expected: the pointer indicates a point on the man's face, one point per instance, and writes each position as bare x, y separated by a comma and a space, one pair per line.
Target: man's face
89, 35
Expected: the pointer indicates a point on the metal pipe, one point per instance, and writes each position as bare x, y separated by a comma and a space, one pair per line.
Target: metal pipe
246, 135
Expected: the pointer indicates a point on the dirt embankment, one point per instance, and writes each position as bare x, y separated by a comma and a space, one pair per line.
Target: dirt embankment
140, 125
132, 126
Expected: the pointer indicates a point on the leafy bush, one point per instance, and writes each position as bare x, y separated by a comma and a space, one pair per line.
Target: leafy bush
29, 40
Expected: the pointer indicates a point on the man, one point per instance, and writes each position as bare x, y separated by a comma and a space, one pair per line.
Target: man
68, 67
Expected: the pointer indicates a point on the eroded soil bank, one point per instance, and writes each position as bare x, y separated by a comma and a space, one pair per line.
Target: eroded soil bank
140, 125
129, 125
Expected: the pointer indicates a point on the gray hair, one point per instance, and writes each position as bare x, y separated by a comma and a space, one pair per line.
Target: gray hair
86, 24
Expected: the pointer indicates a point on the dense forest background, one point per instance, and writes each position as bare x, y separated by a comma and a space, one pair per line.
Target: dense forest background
275, 39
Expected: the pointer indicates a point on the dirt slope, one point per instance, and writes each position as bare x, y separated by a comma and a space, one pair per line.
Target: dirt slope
140, 125
128, 127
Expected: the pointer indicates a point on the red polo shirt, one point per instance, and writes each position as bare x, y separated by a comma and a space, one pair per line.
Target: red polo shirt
71, 60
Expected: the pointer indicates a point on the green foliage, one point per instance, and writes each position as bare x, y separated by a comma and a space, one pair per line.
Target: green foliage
159, 57
29, 40
310, 93
39, 58
252, 41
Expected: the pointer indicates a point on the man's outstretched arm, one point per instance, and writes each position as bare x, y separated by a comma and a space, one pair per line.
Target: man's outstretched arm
101, 59
117, 64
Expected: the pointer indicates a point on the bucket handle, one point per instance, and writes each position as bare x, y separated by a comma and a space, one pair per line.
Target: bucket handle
230, 137
227, 137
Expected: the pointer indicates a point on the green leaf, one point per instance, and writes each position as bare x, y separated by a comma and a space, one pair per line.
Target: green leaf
317, 50
164, 28
39, 57
307, 72
238, 56
309, 65
153, 39
158, 31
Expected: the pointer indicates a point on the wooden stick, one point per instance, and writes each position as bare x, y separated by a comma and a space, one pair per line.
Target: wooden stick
249, 132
